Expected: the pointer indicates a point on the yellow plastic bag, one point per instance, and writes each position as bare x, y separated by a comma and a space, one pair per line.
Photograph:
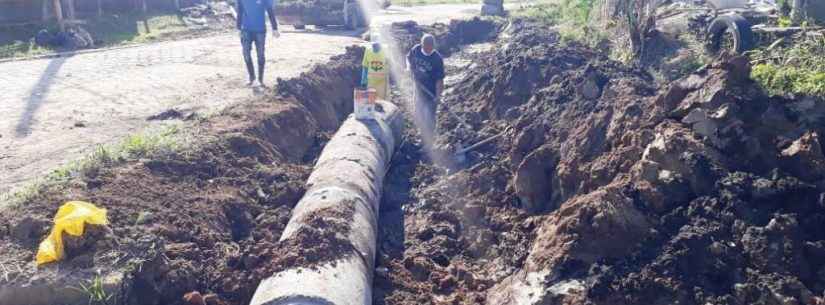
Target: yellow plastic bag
71, 218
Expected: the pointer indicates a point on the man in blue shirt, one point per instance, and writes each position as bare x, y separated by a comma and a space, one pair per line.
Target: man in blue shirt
252, 24
427, 68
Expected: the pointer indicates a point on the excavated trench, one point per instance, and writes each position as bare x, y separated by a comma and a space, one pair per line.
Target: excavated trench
205, 219
603, 189
200, 226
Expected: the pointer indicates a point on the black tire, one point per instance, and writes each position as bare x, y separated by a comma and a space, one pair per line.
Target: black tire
733, 27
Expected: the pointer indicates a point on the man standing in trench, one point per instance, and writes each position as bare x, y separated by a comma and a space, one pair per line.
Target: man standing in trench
251, 23
427, 68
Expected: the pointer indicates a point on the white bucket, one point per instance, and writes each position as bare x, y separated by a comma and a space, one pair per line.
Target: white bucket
364, 107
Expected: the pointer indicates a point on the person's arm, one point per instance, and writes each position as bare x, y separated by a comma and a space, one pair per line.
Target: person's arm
239, 9
439, 75
270, 10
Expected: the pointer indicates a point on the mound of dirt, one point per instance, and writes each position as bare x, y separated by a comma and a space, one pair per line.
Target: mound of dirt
605, 189
205, 219
449, 37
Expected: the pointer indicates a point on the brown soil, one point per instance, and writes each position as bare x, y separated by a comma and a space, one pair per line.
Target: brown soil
197, 220
606, 189
603, 189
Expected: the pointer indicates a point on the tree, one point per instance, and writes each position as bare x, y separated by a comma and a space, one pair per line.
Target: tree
798, 11
637, 18
58, 13
70, 11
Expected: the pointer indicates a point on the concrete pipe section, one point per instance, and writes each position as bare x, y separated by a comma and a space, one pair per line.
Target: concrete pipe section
347, 178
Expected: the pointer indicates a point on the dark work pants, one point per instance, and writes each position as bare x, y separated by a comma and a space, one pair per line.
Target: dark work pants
424, 115
247, 38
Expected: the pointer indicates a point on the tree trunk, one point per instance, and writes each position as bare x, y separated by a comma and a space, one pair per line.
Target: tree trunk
58, 13
45, 15
145, 9
70, 12
798, 11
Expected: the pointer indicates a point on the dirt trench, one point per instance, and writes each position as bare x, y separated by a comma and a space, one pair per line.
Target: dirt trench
606, 189
206, 219
203, 220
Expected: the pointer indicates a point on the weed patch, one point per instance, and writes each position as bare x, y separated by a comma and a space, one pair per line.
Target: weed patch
797, 68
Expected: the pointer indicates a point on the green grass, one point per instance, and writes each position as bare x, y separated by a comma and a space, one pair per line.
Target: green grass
150, 144
573, 19
96, 292
794, 69
109, 31
784, 80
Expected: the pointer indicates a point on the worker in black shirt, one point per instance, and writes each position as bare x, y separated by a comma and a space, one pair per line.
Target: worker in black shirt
427, 68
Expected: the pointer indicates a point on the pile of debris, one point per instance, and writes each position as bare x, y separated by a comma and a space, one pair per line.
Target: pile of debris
608, 190
209, 13
73, 38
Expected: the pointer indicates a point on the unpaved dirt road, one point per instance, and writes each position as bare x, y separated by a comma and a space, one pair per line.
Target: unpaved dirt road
56, 110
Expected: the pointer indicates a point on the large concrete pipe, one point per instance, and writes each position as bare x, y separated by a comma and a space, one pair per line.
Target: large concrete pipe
348, 177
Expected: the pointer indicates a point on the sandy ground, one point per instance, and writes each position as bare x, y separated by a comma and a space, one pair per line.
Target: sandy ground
57, 110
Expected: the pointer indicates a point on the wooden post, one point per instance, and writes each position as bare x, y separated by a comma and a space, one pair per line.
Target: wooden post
177, 5
58, 13
100, 8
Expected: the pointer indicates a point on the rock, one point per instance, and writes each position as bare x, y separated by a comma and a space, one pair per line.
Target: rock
804, 158
193, 298
213, 299
419, 267
532, 181
675, 150
144, 218
592, 83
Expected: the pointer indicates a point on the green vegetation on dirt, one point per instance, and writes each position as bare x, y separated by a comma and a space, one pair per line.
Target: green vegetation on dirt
572, 17
95, 291
623, 25
156, 143
109, 31
796, 69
